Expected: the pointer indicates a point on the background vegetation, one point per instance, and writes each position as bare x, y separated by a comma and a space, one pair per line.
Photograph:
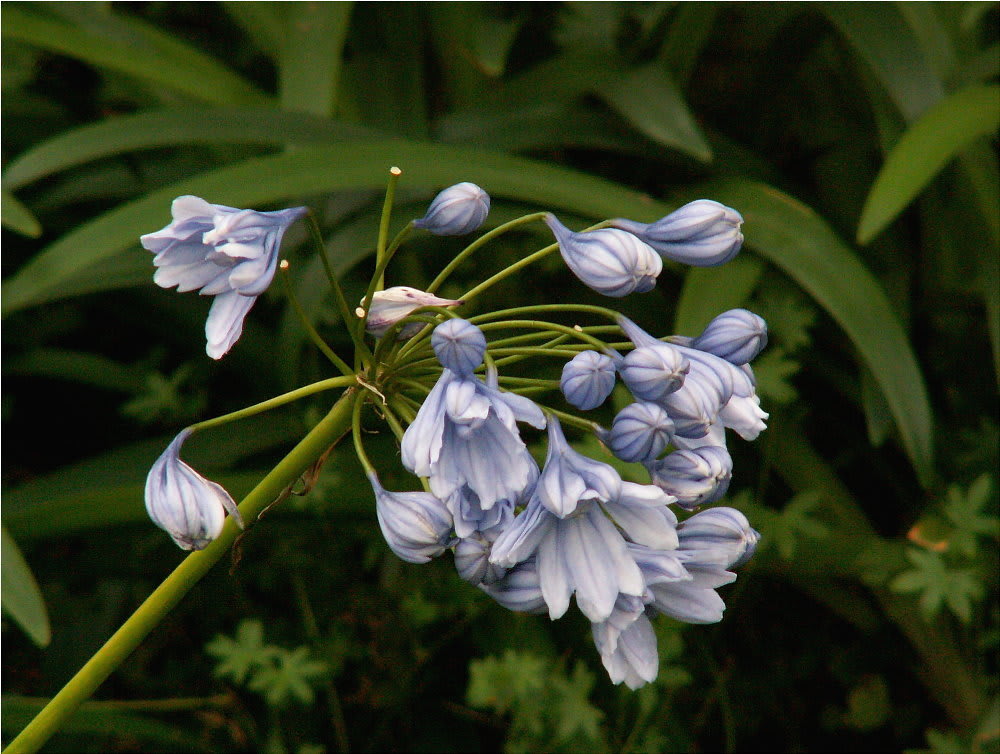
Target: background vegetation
859, 142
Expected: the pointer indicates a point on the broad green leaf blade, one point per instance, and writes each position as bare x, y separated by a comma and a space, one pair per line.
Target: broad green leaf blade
925, 148
172, 126
310, 62
795, 238
263, 22
709, 291
886, 43
689, 30
17, 217
77, 366
649, 99
133, 47
22, 599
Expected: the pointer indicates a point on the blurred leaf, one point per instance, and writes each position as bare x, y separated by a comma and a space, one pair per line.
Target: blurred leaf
238, 657
310, 62
649, 99
168, 127
924, 149
288, 676
129, 45
965, 512
101, 720
939, 585
795, 521
868, 704
22, 599
77, 366
688, 33
890, 48
878, 416
773, 369
709, 291
795, 238
17, 217
263, 22
788, 313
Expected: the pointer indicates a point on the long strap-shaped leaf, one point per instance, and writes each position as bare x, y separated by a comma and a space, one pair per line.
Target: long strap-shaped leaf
784, 231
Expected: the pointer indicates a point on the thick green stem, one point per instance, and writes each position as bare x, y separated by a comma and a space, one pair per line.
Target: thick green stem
166, 596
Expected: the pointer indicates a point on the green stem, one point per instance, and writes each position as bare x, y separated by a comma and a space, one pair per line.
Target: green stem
383, 226
166, 596
478, 243
537, 308
307, 325
281, 400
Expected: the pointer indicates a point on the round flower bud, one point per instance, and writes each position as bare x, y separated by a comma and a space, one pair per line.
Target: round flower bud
695, 477
416, 525
719, 535
652, 372
457, 210
736, 336
640, 432
472, 561
702, 233
609, 261
459, 345
588, 379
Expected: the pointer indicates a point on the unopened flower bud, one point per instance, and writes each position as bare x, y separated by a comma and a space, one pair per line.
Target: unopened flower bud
695, 477
588, 379
609, 261
653, 372
416, 525
719, 535
472, 560
457, 210
640, 432
459, 345
736, 336
190, 508
520, 589
393, 304
702, 233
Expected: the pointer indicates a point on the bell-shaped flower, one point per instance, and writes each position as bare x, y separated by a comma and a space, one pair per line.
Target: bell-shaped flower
737, 336
588, 379
744, 415
627, 644
719, 535
576, 524
459, 346
640, 432
702, 233
457, 210
694, 600
190, 508
465, 439
416, 525
519, 589
396, 303
228, 253
695, 477
609, 261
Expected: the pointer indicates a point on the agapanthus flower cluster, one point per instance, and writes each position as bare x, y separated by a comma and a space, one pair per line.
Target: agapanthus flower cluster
535, 538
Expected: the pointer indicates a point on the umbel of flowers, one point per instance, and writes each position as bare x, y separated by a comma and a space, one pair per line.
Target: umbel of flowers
534, 538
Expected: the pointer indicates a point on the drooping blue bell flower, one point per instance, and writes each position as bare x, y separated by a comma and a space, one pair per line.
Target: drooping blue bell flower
416, 525
228, 253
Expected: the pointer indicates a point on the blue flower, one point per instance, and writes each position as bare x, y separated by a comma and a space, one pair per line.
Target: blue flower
719, 535
465, 440
609, 261
737, 336
190, 508
588, 379
695, 477
228, 253
701, 233
393, 304
457, 210
459, 346
519, 589
416, 525
576, 524
627, 643
639, 432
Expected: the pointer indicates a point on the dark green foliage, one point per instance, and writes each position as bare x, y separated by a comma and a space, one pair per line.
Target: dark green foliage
868, 618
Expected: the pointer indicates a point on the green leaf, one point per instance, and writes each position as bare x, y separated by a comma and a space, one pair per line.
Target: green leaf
709, 291
649, 99
938, 585
18, 218
22, 599
688, 33
310, 62
168, 127
888, 45
130, 46
263, 22
288, 676
239, 656
795, 238
924, 149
